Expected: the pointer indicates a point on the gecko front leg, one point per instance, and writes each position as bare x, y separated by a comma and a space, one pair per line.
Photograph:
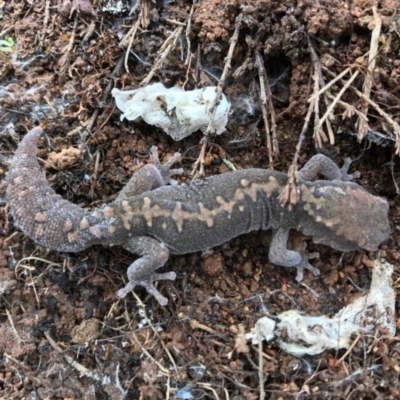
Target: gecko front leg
154, 255
151, 176
280, 255
320, 164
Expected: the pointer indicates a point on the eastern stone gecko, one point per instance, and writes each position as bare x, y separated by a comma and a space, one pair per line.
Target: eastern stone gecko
153, 220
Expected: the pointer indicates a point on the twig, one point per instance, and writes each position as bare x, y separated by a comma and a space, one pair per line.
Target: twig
10, 320
168, 47
388, 118
395, 126
90, 123
79, 367
220, 86
187, 35
318, 135
339, 95
132, 34
328, 85
64, 60
260, 363
362, 122
266, 97
45, 22
290, 194
348, 351
156, 333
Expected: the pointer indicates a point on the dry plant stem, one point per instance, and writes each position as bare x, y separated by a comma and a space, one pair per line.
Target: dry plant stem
393, 176
290, 195
132, 34
260, 364
200, 159
156, 332
319, 135
328, 85
341, 359
89, 124
91, 28
335, 77
373, 51
10, 320
64, 60
395, 126
144, 16
337, 98
209, 387
163, 370
388, 118
220, 86
187, 35
266, 98
349, 109
45, 22
79, 367
173, 38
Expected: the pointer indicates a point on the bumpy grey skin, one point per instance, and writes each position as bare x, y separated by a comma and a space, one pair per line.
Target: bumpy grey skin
152, 220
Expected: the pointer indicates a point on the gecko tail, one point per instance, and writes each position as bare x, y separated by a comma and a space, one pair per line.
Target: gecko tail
38, 210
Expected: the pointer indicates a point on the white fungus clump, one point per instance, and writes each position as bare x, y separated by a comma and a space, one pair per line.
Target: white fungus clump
176, 111
300, 334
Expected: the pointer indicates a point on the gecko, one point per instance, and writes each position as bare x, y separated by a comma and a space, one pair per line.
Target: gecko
153, 216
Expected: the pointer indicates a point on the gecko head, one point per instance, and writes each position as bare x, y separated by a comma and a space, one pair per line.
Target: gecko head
346, 217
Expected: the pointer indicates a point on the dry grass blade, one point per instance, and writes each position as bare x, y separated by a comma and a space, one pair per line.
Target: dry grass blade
319, 135
290, 194
363, 127
79, 367
338, 97
266, 98
65, 59
165, 49
187, 35
220, 86
395, 125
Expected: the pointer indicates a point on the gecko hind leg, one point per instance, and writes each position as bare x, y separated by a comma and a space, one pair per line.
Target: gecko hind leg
141, 272
280, 255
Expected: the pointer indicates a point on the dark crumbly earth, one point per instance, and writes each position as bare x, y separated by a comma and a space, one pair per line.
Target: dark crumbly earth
64, 333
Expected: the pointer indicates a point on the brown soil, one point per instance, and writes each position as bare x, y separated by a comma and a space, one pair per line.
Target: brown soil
64, 333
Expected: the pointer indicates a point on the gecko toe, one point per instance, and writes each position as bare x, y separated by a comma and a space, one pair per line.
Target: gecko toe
345, 168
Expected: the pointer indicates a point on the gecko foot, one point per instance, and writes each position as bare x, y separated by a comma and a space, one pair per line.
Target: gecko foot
305, 264
147, 283
345, 168
165, 169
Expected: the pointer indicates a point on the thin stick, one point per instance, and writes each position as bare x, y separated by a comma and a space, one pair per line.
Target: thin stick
290, 195
337, 98
220, 86
132, 32
395, 126
328, 85
362, 124
79, 367
174, 37
318, 135
260, 363
266, 97
90, 122
187, 35
64, 60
